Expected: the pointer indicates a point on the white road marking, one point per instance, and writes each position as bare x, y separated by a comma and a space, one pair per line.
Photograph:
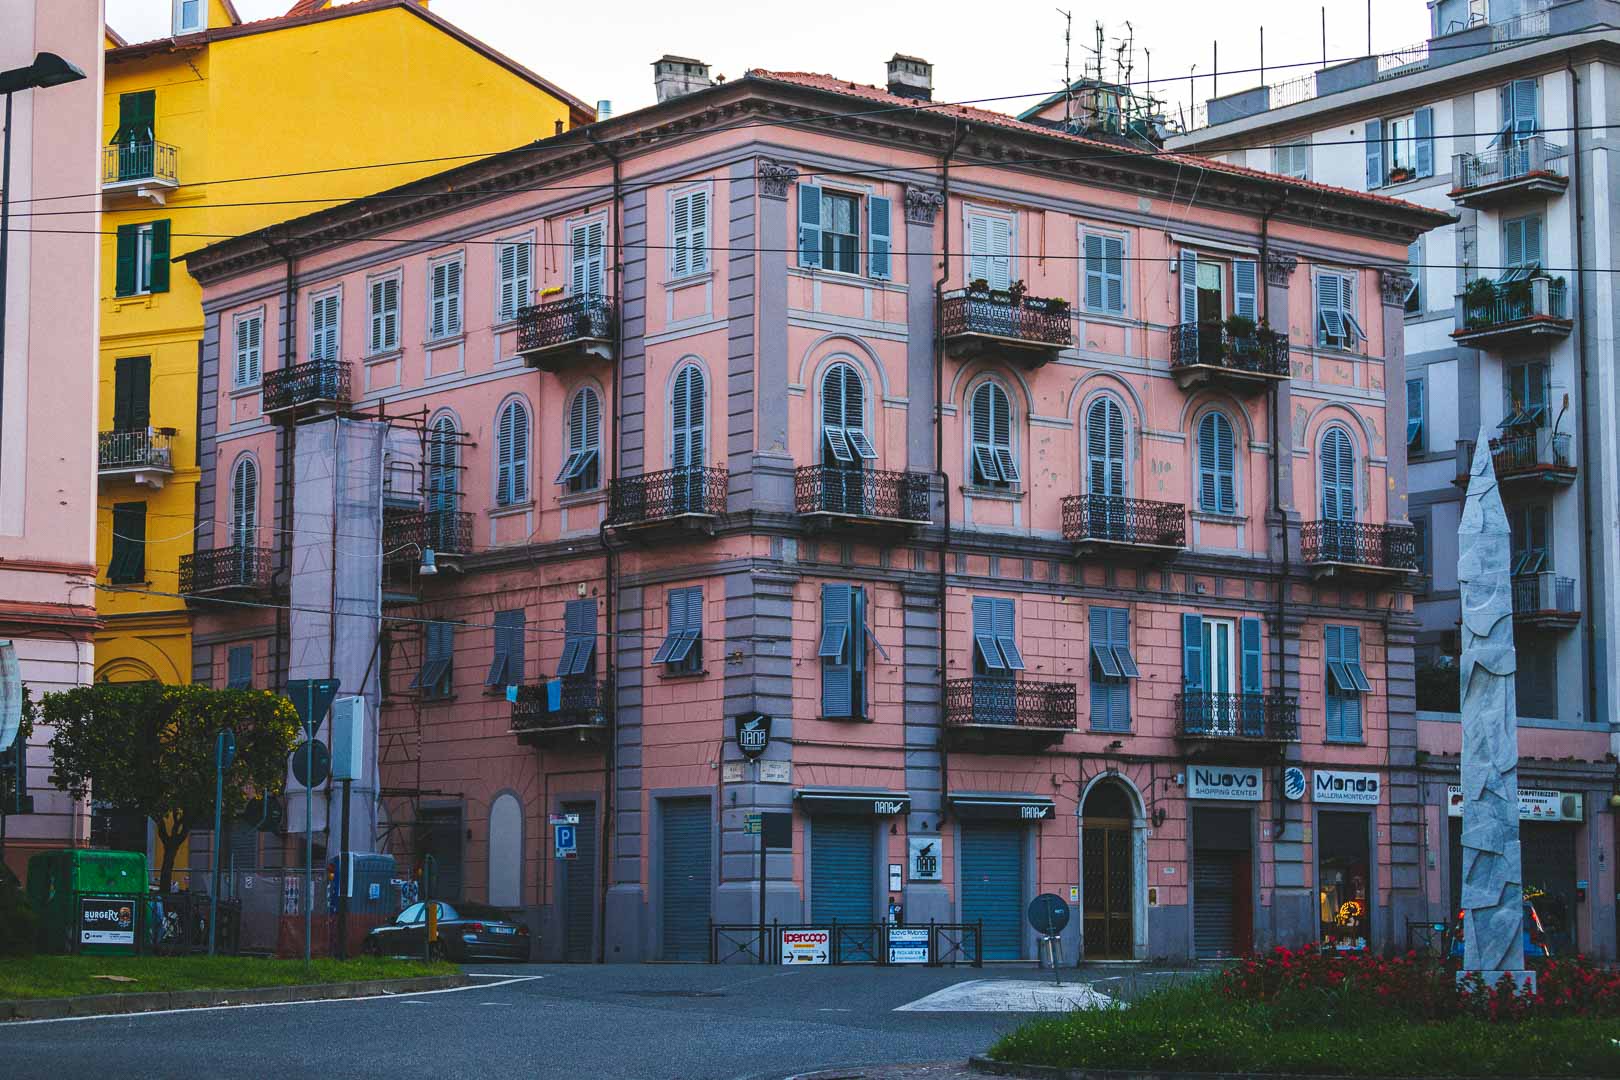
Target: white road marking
4, 1025
1011, 995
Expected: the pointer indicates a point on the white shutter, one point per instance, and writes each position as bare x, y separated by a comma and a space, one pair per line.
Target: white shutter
1000, 253
586, 249
384, 299
978, 248
452, 306
680, 235
249, 349
506, 288
437, 318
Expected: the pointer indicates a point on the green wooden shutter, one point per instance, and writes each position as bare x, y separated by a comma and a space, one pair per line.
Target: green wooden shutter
128, 563
809, 225
1192, 653
879, 243
132, 386
1252, 658
160, 257
125, 279
836, 651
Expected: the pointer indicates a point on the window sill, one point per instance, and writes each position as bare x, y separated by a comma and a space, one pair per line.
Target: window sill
677, 676
998, 494
845, 719
849, 277
1339, 352
245, 391
697, 277
383, 357
458, 338
582, 498
1213, 518
511, 510
1094, 730
1096, 315
1344, 742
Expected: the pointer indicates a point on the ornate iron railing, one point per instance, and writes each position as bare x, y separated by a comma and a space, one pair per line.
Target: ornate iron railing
1536, 593
1514, 302
147, 448
407, 533
1000, 314
1527, 453
301, 384
570, 318
1257, 717
856, 492
694, 489
218, 569
130, 162
1016, 703
1118, 520
1526, 157
576, 702
1391, 547
1265, 352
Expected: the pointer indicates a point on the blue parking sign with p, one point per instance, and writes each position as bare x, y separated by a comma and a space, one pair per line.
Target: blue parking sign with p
567, 841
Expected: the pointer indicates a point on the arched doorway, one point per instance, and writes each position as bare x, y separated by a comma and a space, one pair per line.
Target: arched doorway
1108, 872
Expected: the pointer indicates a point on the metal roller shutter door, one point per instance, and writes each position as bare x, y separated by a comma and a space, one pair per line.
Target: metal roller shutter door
993, 886
685, 918
579, 890
1212, 903
841, 870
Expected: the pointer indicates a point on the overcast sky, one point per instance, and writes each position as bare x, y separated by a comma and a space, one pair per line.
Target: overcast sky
979, 49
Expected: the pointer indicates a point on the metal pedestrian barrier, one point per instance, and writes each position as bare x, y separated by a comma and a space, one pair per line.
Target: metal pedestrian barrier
948, 944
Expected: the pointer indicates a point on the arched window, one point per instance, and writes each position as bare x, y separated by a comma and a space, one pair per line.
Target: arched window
1105, 447
444, 459
845, 443
245, 504
581, 470
1337, 467
687, 412
1217, 465
991, 428
512, 455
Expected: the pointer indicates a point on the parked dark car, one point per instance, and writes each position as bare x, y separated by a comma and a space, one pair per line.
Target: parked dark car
467, 931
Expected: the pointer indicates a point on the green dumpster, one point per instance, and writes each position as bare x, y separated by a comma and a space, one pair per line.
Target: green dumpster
88, 901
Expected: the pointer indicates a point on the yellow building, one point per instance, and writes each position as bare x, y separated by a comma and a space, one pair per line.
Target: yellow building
222, 128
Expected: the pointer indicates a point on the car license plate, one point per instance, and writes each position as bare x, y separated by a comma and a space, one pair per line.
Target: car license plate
503, 930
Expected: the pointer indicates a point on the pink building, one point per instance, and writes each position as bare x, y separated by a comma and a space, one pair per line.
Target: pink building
945, 443
47, 428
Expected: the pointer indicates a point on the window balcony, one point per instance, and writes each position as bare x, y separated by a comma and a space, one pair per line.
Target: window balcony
991, 711
1356, 549
144, 457
1114, 525
408, 533
1030, 330
1525, 311
831, 495
1225, 720
1546, 601
1534, 457
140, 170
681, 499
558, 334
574, 711
313, 387
227, 571
1203, 354
1528, 169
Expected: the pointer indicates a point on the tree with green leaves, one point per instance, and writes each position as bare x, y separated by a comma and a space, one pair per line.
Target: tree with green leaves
148, 748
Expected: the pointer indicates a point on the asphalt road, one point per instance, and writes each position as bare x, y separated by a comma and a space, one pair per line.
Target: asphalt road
646, 1022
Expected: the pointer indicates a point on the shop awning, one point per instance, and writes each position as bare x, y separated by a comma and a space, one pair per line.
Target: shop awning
864, 801
1002, 804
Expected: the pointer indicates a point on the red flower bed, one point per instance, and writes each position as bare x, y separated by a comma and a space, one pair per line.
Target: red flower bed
1418, 988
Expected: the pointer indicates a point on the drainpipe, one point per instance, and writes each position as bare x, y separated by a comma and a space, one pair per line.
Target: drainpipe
1581, 366
609, 755
289, 351
1277, 420
960, 134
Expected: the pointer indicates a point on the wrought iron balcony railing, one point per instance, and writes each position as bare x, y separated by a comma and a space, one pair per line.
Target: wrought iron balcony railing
659, 496
148, 162
1524, 158
226, 569
1531, 453
990, 700
568, 319
575, 702
1210, 344
407, 533
862, 493
1247, 717
127, 451
1358, 543
1506, 305
1114, 519
1544, 593
306, 384
1035, 320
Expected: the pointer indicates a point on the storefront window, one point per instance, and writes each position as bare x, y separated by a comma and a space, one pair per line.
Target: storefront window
1344, 880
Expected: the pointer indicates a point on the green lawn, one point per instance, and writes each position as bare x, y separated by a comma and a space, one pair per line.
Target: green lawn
1191, 1028
72, 976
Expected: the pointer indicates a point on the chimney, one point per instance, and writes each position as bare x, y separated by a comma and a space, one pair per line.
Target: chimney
674, 76
911, 77
604, 109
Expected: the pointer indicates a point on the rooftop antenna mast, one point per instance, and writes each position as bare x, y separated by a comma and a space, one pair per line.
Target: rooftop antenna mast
1068, 83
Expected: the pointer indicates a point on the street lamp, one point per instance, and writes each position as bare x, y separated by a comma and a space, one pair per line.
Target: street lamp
48, 69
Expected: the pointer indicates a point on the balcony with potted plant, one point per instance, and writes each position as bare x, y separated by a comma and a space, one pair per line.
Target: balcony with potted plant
1523, 306
1525, 169
1030, 330
1238, 354
561, 333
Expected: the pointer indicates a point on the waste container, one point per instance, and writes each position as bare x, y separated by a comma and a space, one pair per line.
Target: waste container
88, 901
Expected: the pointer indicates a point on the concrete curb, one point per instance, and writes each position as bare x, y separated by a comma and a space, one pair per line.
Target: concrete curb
985, 1066
156, 1001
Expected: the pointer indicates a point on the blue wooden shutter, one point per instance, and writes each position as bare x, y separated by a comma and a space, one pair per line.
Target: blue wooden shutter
240, 673
1374, 141
984, 634
1423, 128
1338, 474
1523, 94
1119, 622
579, 643
837, 669
809, 225
1188, 269
1192, 654
1006, 635
1113, 273
1332, 682
1105, 447
1251, 655
1225, 466
878, 236
1244, 288
1096, 288
1350, 653
1208, 482
687, 418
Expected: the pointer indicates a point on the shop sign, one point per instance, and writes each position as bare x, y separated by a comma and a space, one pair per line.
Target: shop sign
908, 945
1224, 782
1535, 804
923, 858
889, 807
1293, 783
806, 947
1332, 786
106, 922
753, 734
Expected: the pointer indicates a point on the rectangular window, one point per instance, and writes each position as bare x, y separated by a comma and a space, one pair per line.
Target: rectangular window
506, 668
1527, 392
1346, 682
514, 270
682, 650
1535, 679
325, 323
1401, 156
830, 231
382, 300
239, 668
586, 259
1336, 323
995, 644
1521, 247
143, 259
128, 563
990, 250
579, 641
843, 652
1111, 666
1293, 160
1531, 540
132, 393
689, 233
444, 300
1105, 273
190, 15
1414, 266
434, 680
249, 350
1521, 109
840, 232
1416, 429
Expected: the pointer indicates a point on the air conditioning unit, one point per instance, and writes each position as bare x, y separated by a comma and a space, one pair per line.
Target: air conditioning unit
1572, 808
348, 738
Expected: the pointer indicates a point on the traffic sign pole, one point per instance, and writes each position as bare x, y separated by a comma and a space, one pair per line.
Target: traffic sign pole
224, 754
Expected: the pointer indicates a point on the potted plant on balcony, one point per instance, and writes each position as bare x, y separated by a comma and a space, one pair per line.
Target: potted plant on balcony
1017, 291
1520, 294
1400, 174
1478, 296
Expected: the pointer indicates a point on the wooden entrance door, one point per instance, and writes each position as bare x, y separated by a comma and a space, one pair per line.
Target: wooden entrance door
1107, 876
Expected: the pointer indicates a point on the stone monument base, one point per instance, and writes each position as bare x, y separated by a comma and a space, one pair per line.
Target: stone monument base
1523, 981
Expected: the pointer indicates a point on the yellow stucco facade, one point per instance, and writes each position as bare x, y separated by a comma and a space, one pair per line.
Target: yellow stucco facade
221, 131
